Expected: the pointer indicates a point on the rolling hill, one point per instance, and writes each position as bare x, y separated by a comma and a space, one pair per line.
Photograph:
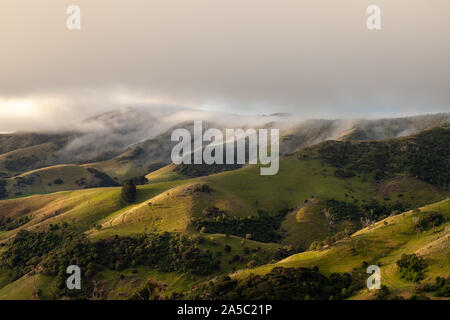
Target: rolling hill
133, 142
382, 244
337, 205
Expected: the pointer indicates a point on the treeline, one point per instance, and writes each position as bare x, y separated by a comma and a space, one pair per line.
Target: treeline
283, 284
426, 156
429, 220
200, 170
372, 210
3, 191
105, 180
54, 250
441, 287
264, 227
7, 224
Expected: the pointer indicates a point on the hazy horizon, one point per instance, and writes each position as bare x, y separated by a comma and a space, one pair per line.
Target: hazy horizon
312, 60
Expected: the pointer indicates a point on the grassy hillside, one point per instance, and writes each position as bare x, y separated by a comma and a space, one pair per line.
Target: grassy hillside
56, 178
195, 229
82, 208
139, 159
243, 192
29, 158
122, 284
172, 210
297, 180
381, 244
19, 140
311, 132
166, 173
425, 156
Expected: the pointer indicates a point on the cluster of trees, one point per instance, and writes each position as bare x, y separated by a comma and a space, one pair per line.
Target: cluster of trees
7, 224
331, 239
104, 179
199, 170
27, 248
203, 188
283, 252
372, 210
342, 210
58, 181
426, 155
128, 191
57, 248
24, 181
283, 284
411, 267
340, 173
3, 192
151, 291
264, 227
165, 252
22, 163
139, 180
429, 220
441, 287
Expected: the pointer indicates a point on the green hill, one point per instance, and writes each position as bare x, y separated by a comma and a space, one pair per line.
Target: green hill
181, 231
382, 244
20, 140
56, 178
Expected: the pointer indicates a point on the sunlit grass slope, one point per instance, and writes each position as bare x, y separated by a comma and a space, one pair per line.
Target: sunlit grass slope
295, 182
51, 179
81, 208
382, 244
171, 210
24, 159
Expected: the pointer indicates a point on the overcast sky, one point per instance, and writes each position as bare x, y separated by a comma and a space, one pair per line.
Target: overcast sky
314, 58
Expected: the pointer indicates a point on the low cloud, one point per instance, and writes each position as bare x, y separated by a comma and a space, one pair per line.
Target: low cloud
315, 59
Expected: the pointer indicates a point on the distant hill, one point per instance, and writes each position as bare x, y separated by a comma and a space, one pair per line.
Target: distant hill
311, 132
55, 178
338, 205
425, 155
132, 142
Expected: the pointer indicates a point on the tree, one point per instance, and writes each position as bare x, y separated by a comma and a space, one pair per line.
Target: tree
128, 192
412, 267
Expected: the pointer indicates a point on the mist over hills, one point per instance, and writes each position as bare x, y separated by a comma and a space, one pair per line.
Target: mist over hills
355, 192
143, 135
331, 210
136, 141
354, 206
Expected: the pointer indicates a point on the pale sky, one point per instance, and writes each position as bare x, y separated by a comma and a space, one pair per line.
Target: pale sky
314, 58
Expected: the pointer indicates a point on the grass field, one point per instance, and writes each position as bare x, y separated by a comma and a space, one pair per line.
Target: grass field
166, 173
295, 182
